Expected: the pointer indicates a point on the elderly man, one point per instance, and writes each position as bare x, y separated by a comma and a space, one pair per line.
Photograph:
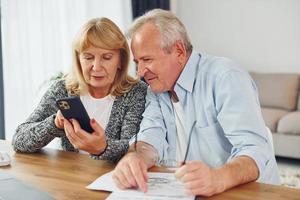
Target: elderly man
207, 98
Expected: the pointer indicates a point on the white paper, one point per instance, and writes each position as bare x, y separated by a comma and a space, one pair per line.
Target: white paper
160, 186
105, 183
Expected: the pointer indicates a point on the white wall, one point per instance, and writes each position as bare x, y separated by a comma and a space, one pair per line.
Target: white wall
261, 35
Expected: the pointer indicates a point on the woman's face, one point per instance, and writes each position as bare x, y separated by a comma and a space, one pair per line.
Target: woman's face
99, 68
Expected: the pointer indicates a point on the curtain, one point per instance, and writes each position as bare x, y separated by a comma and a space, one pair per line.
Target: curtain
36, 45
140, 7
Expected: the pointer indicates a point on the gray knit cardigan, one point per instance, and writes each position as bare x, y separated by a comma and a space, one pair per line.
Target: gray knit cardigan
39, 129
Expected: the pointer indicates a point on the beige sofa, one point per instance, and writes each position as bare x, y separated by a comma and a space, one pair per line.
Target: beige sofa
280, 103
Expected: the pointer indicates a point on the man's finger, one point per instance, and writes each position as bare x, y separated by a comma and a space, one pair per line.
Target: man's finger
145, 173
188, 167
194, 184
118, 174
139, 175
117, 181
190, 176
180, 172
129, 175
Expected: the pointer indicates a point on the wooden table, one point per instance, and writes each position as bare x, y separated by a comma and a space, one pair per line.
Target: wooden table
64, 175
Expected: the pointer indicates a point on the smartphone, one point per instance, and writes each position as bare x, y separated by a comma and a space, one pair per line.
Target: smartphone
72, 108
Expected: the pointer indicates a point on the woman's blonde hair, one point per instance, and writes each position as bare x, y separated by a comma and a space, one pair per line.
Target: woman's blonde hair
105, 34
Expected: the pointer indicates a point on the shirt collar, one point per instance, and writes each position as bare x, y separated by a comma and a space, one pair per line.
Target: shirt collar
188, 74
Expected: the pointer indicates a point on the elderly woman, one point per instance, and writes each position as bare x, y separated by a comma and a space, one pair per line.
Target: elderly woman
114, 100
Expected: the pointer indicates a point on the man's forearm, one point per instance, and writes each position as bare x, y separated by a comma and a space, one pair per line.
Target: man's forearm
146, 151
241, 170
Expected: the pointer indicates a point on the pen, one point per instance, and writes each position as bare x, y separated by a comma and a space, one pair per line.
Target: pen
189, 142
135, 142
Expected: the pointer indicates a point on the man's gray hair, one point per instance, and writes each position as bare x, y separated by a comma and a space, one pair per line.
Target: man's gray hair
170, 27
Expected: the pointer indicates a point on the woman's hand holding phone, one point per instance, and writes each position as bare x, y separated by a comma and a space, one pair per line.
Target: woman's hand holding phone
59, 120
94, 143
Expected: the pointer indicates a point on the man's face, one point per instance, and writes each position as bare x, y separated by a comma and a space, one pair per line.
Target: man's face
159, 68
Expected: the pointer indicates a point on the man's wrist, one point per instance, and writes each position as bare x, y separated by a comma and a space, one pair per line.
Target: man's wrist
146, 152
220, 180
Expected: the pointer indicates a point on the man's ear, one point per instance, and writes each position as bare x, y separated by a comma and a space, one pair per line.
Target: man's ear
180, 51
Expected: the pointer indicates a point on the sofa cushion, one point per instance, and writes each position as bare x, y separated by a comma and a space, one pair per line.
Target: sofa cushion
272, 116
277, 90
290, 123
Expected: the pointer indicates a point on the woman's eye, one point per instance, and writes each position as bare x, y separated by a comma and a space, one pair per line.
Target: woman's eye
88, 58
107, 57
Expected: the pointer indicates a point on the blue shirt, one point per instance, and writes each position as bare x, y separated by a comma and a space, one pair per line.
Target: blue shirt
221, 99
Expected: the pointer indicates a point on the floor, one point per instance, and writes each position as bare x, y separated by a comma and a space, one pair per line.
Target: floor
289, 170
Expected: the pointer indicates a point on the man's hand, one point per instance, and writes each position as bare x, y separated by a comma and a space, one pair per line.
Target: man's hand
94, 143
131, 172
199, 179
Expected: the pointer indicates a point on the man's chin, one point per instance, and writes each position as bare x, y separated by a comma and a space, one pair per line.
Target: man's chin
156, 89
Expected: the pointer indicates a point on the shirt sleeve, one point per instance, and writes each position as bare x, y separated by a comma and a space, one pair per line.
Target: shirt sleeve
240, 117
152, 129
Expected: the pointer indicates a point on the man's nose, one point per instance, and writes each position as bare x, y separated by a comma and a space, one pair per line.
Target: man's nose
141, 70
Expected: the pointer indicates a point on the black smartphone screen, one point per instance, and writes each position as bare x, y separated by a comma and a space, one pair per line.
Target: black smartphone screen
72, 108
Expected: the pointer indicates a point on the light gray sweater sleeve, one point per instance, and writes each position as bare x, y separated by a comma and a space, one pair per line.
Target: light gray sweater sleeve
39, 129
